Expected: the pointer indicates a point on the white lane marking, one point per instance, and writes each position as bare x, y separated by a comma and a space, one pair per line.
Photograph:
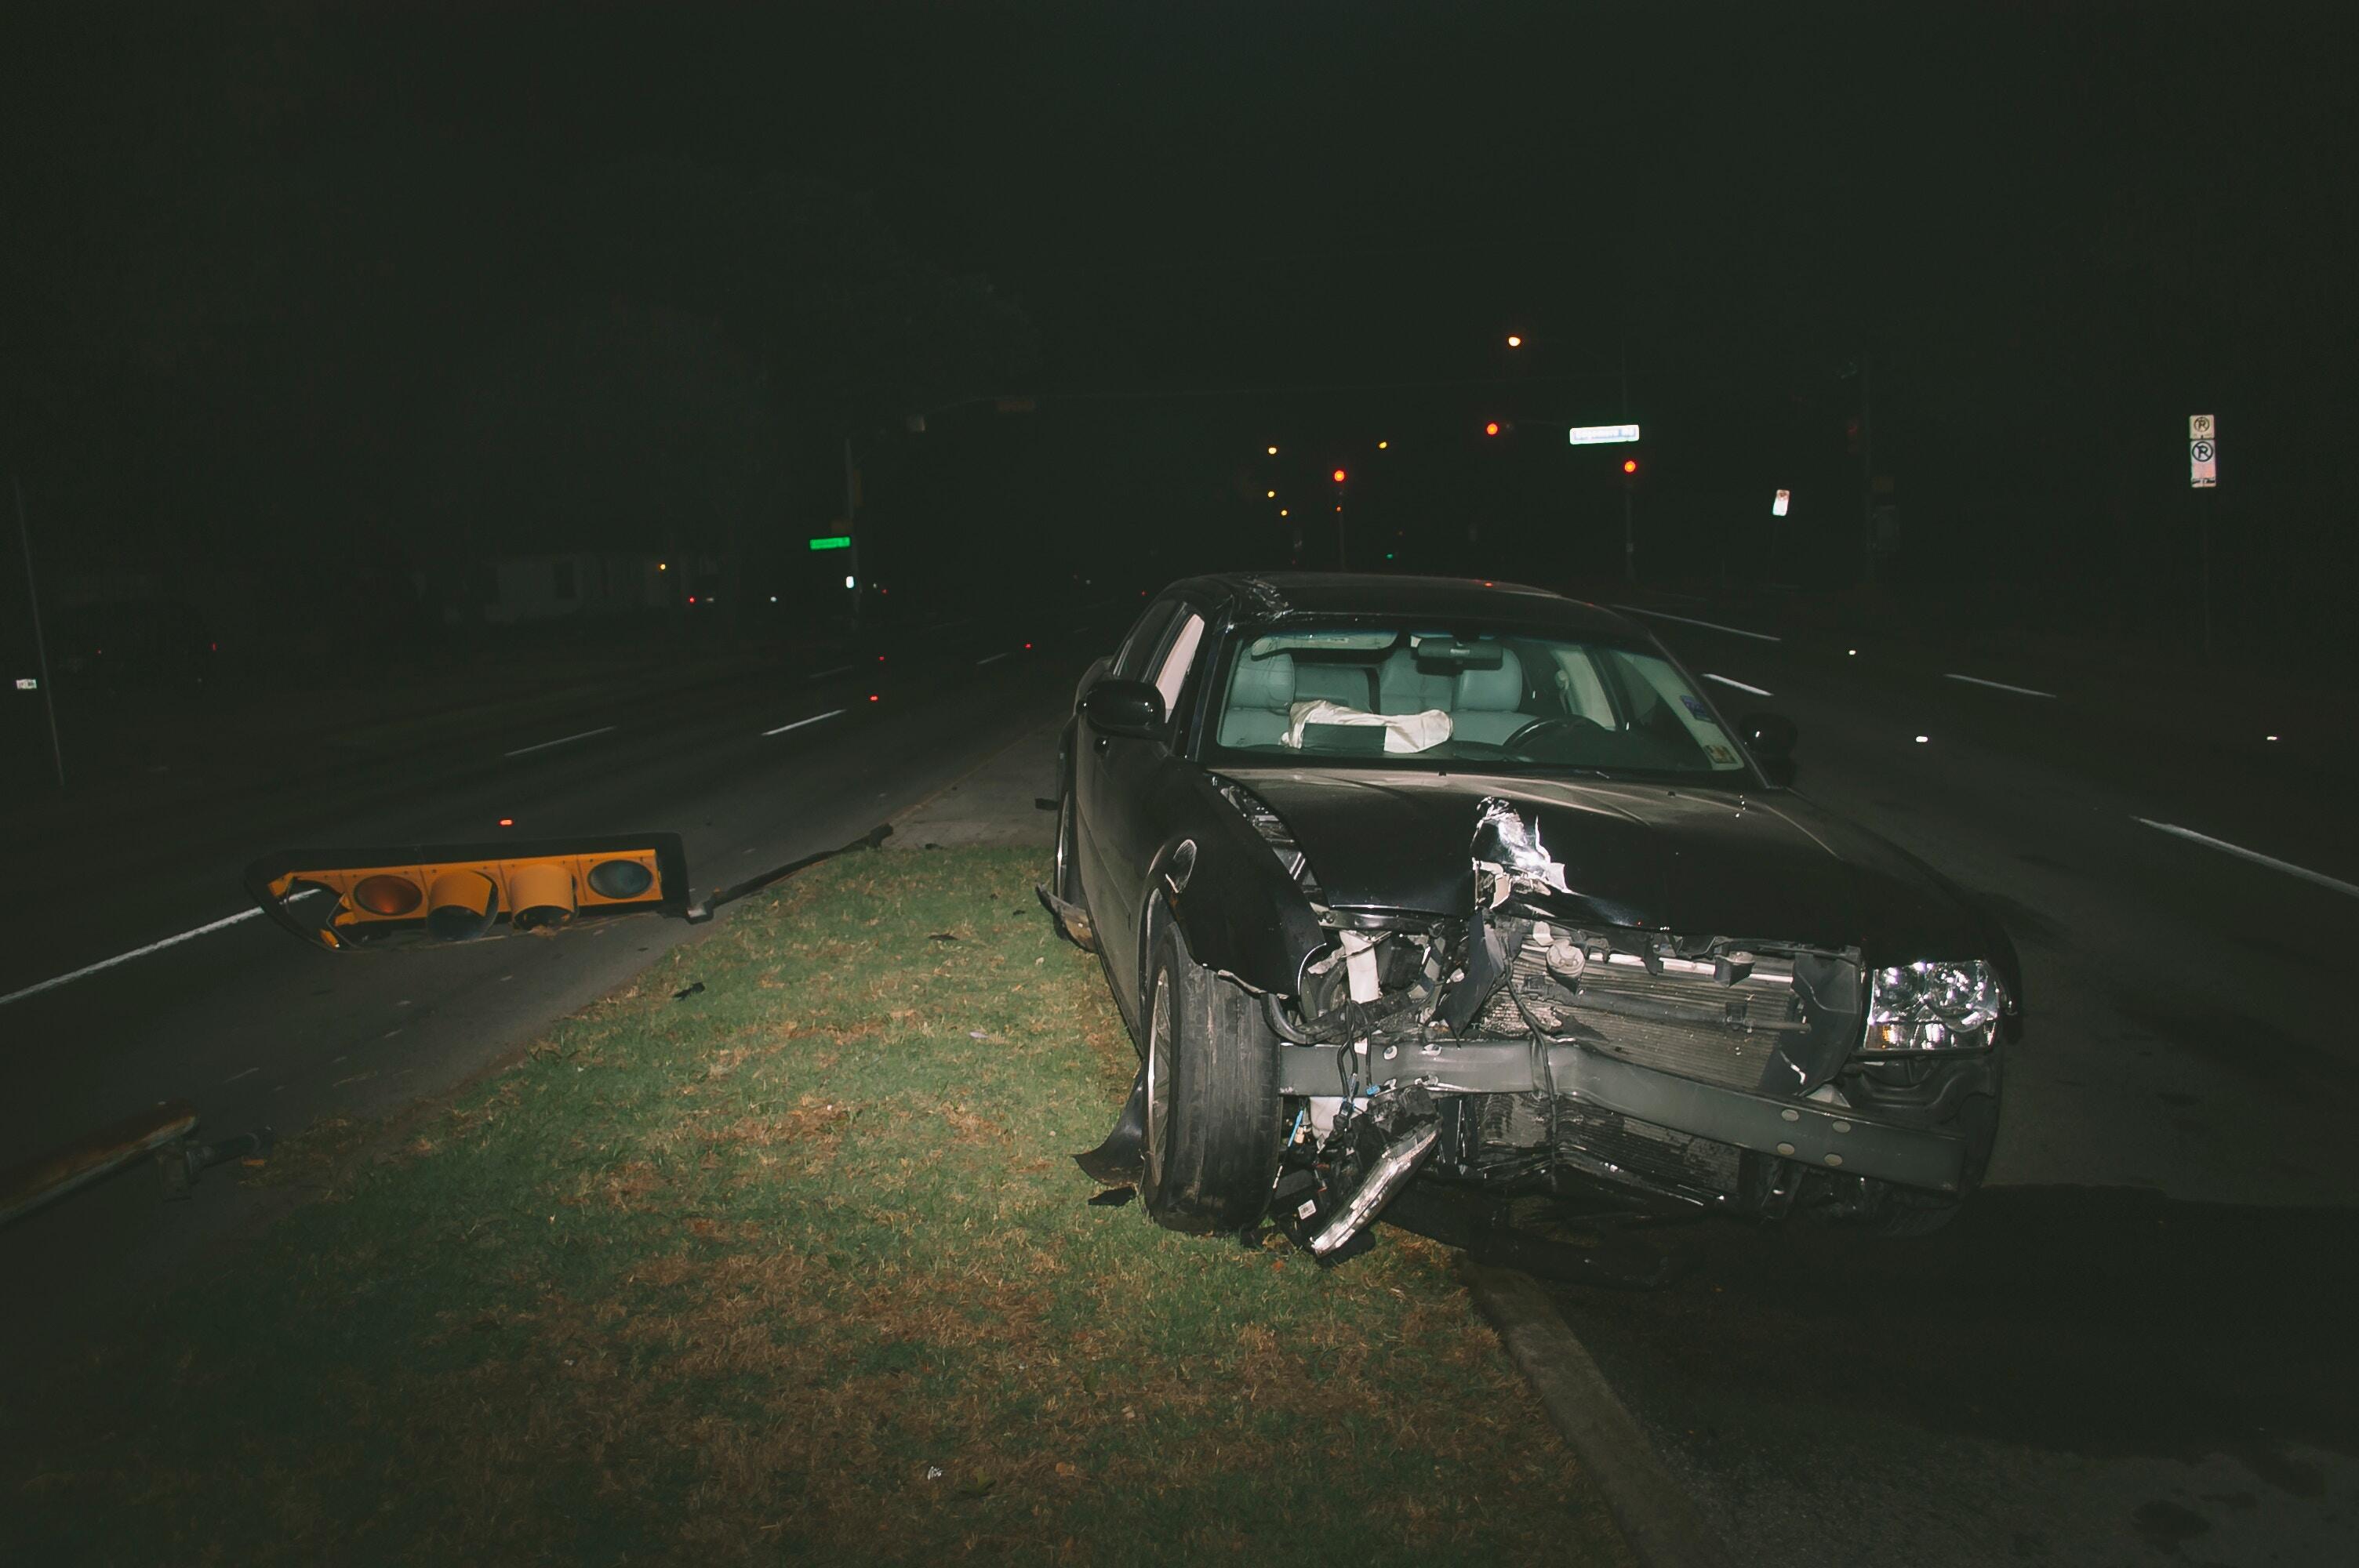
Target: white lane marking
1689, 620
561, 740
2304, 872
1738, 684
247, 1074
2001, 685
831, 713
993, 660
194, 932
839, 670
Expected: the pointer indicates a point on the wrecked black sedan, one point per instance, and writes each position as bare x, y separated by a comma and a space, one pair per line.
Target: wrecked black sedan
1412, 879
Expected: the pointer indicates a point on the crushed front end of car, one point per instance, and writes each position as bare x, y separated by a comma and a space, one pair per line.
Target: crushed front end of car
1531, 1045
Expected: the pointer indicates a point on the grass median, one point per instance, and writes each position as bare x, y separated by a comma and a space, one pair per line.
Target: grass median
796, 1266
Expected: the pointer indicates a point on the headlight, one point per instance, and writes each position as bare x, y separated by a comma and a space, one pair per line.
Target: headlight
1934, 1007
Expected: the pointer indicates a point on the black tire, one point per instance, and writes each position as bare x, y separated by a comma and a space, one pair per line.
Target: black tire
1212, 1106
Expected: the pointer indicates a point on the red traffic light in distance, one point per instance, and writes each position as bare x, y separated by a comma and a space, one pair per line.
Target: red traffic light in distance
1492, 428
1629, 465
1339, 476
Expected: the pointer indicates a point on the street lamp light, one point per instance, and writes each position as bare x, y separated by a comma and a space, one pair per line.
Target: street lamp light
1273, 451
1514, 341
1382, 445
1269, 494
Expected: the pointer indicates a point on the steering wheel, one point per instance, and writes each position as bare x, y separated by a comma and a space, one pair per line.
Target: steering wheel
1517, 739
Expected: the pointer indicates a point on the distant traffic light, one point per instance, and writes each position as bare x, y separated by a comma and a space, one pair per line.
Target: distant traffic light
1492, 428
1629, 465
1339, 476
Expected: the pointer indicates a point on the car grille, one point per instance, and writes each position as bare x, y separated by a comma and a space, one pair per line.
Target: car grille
1727, 1039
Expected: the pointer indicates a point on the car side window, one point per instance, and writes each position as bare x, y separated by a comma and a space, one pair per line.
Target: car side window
1145, 641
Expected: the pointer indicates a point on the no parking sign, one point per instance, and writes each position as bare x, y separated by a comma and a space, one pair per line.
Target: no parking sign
2202, 452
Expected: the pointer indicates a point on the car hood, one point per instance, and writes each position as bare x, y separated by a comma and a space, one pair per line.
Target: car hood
1766, 865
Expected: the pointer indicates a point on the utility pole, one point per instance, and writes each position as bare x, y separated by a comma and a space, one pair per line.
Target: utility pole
40, 642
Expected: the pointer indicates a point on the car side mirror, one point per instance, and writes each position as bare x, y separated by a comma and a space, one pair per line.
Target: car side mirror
1770, 737
1132, 709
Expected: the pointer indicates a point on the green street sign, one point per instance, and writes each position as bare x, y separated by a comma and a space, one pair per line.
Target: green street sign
833, 542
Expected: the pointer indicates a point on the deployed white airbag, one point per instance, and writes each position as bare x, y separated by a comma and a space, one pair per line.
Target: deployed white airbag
1403, 732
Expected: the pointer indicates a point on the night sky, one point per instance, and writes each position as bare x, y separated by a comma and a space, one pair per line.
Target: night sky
335, 295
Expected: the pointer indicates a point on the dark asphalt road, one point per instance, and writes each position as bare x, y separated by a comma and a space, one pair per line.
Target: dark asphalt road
254, 1029
2132, 1348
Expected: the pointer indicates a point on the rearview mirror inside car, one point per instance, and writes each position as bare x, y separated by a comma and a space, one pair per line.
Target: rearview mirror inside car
1770, 737
339, 898
1129, 707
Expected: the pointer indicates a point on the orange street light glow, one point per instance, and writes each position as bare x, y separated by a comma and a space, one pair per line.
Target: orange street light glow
1514, 341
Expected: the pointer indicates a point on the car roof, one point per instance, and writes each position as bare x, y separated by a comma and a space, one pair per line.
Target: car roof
1277, 595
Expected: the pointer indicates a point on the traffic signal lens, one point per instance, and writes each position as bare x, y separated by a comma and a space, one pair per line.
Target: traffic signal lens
621, 879
1629, 465
1492, 428
388, 895
1339, 476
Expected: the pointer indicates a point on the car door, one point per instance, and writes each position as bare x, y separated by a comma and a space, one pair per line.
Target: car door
1138, 646
1122, 772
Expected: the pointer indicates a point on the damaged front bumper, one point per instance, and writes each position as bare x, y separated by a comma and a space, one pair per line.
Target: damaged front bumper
1831, 1138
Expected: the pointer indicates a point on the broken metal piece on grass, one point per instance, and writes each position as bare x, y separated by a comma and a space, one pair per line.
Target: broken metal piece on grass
698, 913
1117, 1161
1112, 1197
164, 1132
1073, 921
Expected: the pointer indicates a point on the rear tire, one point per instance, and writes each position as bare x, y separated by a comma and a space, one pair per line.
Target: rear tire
1212, 1106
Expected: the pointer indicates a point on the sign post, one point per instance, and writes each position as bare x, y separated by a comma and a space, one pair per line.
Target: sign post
2203, 475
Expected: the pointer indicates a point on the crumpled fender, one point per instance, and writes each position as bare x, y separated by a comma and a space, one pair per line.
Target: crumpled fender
1239, 910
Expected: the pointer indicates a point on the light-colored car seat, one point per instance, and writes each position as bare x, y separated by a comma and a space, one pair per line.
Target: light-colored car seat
1488, 704
1259, 694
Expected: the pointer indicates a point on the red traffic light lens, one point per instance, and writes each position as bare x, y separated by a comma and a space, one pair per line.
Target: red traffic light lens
1629, 465
1339, 476
1492, 428
388, 895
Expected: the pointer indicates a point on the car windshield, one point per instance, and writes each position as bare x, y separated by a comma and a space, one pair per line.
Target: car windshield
1406, 696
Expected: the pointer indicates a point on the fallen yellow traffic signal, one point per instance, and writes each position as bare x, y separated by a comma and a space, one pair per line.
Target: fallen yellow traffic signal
457, 893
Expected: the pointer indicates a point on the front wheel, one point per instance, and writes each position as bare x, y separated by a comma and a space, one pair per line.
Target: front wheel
1213, 1105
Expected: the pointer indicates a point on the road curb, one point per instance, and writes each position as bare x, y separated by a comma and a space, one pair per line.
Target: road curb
1654, 1513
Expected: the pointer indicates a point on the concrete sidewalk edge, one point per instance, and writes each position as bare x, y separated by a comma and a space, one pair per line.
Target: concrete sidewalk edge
1655, 1515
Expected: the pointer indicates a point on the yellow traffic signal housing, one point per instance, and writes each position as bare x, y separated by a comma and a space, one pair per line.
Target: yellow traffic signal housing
457, 893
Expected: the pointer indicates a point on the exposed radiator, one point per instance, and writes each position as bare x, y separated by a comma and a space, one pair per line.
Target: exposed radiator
1727, 1040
